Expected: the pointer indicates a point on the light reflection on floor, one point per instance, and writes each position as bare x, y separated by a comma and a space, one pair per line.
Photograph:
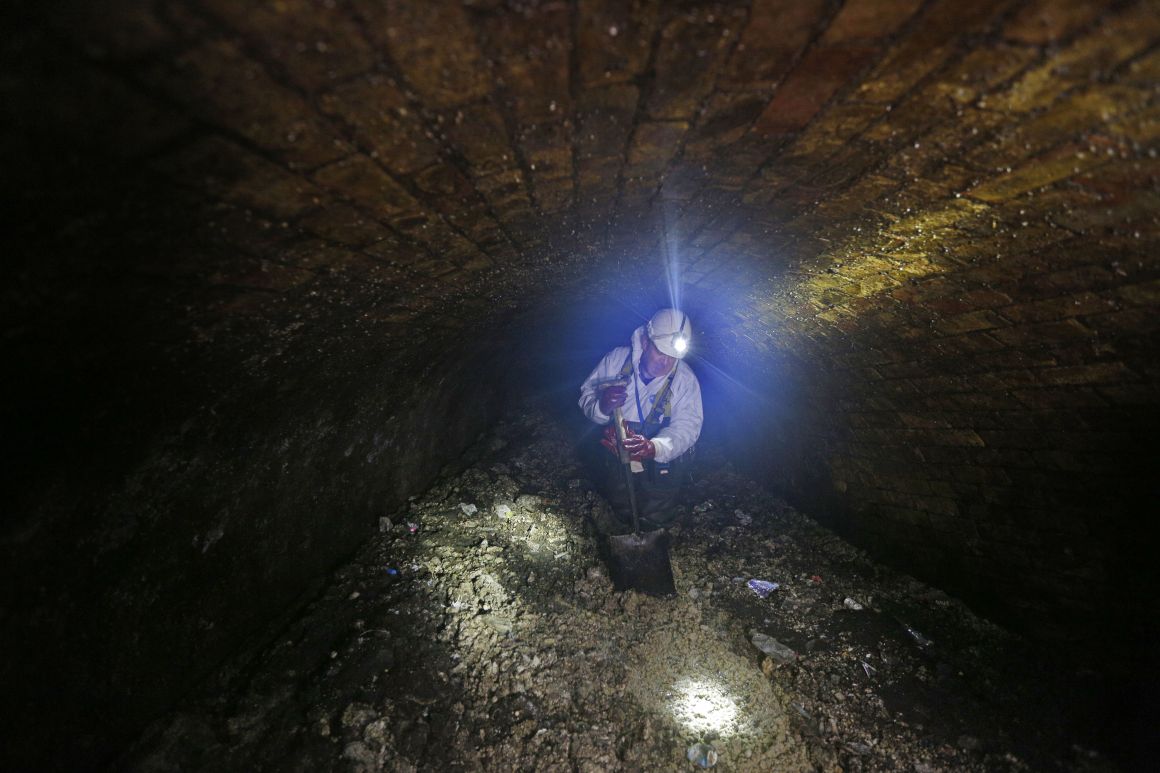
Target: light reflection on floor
705, 708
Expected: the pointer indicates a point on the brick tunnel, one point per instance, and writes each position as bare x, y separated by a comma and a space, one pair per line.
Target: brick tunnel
273, 269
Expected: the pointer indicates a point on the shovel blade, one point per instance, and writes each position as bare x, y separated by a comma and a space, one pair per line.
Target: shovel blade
640, 562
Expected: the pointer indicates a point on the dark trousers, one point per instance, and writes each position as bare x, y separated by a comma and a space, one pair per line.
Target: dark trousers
656, 493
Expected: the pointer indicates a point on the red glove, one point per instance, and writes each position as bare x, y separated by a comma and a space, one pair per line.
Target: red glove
612, 398
609, 440
638, 446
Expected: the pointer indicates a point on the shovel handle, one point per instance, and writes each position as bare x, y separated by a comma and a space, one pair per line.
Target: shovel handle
620, 436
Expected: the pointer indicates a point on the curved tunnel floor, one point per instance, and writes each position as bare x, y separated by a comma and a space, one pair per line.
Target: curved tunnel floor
492, 639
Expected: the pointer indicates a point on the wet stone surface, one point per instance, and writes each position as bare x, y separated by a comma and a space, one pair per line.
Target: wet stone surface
479, 630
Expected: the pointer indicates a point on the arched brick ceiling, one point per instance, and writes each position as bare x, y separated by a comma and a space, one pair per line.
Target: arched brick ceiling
835, 163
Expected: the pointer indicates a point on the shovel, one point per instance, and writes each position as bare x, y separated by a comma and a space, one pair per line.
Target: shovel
640, 561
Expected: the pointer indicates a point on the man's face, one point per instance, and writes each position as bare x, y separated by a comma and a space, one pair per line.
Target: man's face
653, 362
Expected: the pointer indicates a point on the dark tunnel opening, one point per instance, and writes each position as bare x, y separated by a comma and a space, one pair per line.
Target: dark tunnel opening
273, 275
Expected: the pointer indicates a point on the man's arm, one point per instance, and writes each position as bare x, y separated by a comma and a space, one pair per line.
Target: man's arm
606, 370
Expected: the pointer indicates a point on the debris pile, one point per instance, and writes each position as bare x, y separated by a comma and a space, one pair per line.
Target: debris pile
479, 630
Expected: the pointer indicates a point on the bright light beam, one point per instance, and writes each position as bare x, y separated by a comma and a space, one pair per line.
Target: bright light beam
705, 708
672, 259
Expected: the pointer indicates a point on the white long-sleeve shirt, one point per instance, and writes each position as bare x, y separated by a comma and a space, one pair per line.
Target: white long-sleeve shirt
686, 416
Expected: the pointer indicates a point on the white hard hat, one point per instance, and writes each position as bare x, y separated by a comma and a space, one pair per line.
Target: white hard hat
671, 332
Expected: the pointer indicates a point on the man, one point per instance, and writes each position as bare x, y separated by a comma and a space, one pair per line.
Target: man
660, 399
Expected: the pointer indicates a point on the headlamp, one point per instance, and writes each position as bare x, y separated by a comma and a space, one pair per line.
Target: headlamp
672, 343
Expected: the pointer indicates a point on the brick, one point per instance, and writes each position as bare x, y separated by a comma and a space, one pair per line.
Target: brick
365, 181
964, 302
1075, 279
937, 506
1020, 439
868, 20
1006, 379
530, 51
653, 146
546, 147
344, 224
478, 132
1088, 110
1058, 398
692, 47
1128, 394
777, 32
926, 47
818, 77
1056, 165
1042, 21
979, 71
226, 170
316, 45
266, 275
1142, 294
224, 87
1043, 334
1100, 49
725, 120
906, 516
1057, 308
970, 322
614, 39
436, 49
377, 111
1096, 373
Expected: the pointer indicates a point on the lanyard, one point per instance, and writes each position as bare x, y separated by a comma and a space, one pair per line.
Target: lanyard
657, 400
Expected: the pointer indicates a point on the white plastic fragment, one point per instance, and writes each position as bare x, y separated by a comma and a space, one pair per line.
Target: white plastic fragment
702, 755
772, 647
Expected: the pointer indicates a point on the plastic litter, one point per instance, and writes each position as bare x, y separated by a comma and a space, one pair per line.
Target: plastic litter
468, 509
762, 587
392, 572
772, 647
869, 669
503, 511
412, 527
921, 640
702, 755
850, 603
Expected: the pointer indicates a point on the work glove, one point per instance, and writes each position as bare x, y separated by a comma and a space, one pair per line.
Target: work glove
609, 440
612, 398
638, 446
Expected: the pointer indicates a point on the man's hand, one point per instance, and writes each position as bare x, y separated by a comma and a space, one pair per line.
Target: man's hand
612, 398
609, 440
638, 446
